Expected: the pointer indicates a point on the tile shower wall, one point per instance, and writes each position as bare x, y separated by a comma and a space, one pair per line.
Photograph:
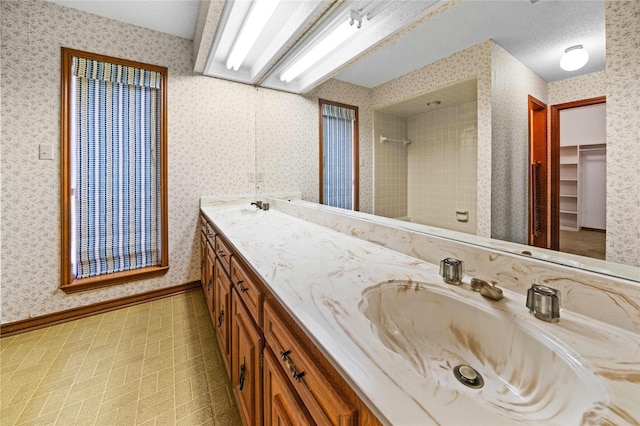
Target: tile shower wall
390, 159
442, 167
473, 62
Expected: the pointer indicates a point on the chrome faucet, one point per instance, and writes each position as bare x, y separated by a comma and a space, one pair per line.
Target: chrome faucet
258, 204
451, 270
544, 303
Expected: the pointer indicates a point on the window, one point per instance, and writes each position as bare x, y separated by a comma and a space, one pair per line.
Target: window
113, 153
338, 155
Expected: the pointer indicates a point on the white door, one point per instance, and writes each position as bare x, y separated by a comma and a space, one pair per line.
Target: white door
593, 188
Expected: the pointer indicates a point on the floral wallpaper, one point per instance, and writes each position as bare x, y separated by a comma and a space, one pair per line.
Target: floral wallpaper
511, 84
583, 86
221, 133
623, 131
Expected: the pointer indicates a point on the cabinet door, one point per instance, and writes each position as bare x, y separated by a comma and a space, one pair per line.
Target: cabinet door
246, 374
209, 265
222, 313
282, 406
203, 257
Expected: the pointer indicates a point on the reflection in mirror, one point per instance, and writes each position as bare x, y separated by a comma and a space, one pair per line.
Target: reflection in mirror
433, 179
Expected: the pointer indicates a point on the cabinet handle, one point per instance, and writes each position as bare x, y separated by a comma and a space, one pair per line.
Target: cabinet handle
220, 318
221, 253
202, 264
209, 284
242, 288
291, 367
241, 378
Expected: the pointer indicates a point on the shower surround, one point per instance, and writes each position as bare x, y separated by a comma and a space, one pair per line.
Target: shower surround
435, 176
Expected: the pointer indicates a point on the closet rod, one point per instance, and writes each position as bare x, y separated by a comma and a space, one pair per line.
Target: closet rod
384, 139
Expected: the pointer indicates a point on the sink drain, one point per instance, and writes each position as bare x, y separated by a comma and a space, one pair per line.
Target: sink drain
468, 376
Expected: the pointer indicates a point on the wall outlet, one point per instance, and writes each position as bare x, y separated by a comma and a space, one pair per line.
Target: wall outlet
46, 152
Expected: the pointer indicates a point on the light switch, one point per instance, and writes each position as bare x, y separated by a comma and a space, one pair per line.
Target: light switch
46, 152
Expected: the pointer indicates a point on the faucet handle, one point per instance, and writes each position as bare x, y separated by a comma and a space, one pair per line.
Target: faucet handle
451, 270
544, 302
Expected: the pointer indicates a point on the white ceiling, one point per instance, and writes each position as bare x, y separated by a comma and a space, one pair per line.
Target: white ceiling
535, 33
177, 17
456, 94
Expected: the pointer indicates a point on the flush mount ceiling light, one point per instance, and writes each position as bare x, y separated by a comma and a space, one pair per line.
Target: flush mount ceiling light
259, 14
574, 58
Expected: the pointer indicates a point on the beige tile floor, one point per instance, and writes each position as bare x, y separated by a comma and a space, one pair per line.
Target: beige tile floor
154, 363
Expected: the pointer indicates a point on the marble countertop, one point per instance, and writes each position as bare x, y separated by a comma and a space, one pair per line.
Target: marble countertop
321, 276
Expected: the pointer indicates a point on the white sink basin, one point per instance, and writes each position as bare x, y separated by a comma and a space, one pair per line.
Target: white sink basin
528, 375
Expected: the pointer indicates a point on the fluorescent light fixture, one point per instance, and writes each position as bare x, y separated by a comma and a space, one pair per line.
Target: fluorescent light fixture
320, 50
257, 18
574, 58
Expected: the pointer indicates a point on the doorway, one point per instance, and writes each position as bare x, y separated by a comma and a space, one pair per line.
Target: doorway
538, 159
578, 177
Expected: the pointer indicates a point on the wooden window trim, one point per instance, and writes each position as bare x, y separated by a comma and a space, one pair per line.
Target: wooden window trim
69, 284
356, 152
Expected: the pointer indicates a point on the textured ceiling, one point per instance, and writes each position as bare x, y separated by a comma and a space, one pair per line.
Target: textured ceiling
535, 33
449, 96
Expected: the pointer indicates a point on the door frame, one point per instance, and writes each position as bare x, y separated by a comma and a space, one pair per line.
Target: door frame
555, 162
538, 153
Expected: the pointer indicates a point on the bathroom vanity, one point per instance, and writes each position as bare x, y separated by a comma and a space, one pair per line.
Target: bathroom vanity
332, 317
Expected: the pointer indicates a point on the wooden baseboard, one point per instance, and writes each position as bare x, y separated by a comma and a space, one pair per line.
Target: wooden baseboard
35, 323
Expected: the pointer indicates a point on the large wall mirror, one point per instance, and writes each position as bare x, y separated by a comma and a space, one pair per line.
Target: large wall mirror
449, 137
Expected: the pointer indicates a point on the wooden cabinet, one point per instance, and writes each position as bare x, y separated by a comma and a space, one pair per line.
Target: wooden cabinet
209, 264
222, 313
207, 261
317, 393
203, 257
278, 375
246, 373
282, 405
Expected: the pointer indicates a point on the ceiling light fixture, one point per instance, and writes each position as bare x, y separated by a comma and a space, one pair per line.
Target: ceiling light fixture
320, 50
574, 58
258, 16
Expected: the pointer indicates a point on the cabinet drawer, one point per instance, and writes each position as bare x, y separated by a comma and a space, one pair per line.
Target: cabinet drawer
248, 289
322, 400
282, 406
224, 254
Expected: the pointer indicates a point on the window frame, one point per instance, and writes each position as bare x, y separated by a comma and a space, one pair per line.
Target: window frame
356, 152
69, 284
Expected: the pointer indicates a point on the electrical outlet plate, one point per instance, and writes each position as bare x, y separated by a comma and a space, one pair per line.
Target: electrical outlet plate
46, 152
